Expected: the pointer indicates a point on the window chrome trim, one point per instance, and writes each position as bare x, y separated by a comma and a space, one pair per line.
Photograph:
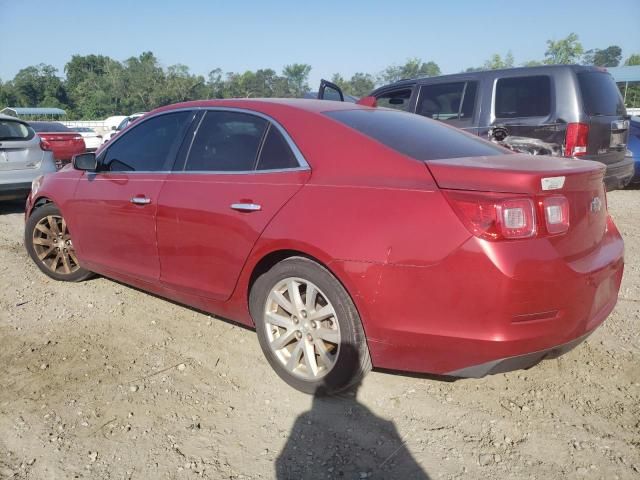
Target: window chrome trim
302, 162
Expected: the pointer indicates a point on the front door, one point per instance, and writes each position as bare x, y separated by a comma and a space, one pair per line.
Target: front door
241, 169
113, 210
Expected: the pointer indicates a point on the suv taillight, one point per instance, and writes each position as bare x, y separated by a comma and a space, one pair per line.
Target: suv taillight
493, 216
576, 140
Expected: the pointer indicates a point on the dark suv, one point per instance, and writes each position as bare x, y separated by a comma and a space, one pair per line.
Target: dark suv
561, 110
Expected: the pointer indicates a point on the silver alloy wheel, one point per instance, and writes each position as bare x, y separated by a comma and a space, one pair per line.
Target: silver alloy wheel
53, 246
302, 328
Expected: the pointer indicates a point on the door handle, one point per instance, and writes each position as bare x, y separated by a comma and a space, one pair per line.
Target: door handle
246, 207
140, 200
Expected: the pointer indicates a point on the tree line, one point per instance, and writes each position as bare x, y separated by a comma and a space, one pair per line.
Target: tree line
97, 86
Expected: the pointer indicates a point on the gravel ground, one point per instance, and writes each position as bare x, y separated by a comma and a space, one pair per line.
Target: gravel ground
100, 380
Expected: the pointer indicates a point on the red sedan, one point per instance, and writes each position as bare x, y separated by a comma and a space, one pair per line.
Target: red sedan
62, 141
348, 236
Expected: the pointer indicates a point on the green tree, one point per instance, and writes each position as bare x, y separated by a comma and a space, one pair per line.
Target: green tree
565, 51
633, 59
359, 85
39, 86
496, 61
413, 68
297, 77
608, 57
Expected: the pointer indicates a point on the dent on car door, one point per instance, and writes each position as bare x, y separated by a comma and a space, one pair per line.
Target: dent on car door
240, 170
113, 209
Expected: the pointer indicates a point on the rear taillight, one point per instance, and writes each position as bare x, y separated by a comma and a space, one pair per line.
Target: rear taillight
556, 214
498, 216
493, 216
44, 145
576, 140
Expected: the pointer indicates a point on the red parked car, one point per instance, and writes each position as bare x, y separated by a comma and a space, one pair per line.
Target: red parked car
62, 141
347, 235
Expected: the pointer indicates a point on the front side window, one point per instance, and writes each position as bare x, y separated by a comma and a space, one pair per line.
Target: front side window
226, 142
149, 146
519, 97
448, 101
397, 99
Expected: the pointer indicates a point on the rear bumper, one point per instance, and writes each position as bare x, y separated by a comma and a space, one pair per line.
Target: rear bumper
618, 175
485, 307
10, 191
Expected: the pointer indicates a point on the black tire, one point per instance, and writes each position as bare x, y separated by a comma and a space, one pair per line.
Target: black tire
77, 274
352, 362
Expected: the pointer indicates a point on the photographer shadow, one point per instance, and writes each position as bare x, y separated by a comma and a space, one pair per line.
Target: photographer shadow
341, 438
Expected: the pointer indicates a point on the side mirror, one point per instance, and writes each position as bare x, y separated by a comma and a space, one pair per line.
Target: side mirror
85, 161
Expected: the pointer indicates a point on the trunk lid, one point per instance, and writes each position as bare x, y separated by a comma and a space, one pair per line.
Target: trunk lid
579, 181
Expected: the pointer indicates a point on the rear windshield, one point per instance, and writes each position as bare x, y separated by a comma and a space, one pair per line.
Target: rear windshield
414, 135
12, 130
49, 127
600, 95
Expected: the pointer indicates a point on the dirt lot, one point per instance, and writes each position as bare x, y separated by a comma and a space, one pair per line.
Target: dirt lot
99, 380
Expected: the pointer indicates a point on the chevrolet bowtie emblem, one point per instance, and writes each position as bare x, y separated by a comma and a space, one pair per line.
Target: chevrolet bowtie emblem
596, 205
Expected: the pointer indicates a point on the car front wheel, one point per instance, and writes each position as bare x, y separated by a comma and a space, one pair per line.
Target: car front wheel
49, 244
309, 328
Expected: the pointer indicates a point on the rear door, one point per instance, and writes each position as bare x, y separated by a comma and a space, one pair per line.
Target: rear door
523, 115
330, 91
19, 146
608, 125
113, 211
240, 170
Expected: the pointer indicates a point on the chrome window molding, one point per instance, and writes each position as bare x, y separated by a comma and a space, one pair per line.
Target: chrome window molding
302, 162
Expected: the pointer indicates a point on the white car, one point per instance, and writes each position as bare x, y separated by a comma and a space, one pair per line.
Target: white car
122, 125
91, 139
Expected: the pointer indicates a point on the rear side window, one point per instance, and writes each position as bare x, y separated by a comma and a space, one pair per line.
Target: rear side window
226, 142
600, 95
12, 130
148, 147
523, 97
447, 101
397, 99
415, 136
275, 153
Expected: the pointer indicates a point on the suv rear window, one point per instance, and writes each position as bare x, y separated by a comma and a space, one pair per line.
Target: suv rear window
12, 130
600, 95
414, 135
518, 97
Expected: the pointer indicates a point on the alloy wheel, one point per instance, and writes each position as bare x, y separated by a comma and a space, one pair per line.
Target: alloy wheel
301, 328
53, 246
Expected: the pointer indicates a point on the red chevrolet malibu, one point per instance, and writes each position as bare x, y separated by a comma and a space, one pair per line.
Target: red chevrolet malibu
348, 236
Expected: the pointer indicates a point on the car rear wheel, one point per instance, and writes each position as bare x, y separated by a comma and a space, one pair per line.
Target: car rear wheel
309, 328
49, 243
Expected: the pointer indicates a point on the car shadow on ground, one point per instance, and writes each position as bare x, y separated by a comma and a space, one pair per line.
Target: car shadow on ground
342, 438
11, 206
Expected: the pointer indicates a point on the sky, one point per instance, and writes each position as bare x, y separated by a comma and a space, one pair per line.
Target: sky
331, 36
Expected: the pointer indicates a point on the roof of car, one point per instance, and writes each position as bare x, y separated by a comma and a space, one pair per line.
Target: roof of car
313, 106
536, 69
